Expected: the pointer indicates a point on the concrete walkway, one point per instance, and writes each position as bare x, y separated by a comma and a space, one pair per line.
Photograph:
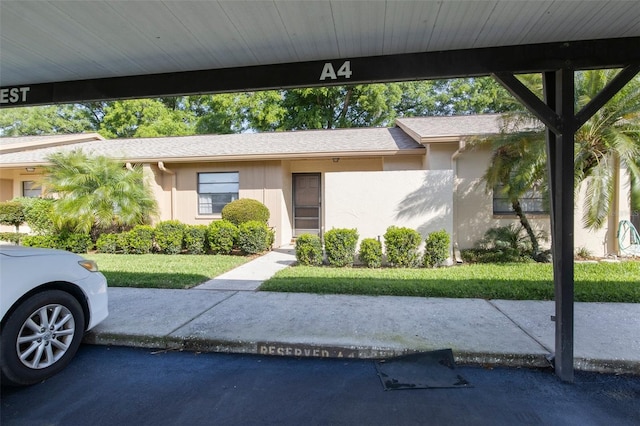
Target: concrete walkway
226, 314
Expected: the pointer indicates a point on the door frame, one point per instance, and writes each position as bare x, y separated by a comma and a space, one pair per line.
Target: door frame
319, 206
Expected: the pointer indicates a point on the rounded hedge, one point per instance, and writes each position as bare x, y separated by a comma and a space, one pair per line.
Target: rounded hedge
309, 250
340, 245
169, 235
436, 249
370, 253
254, 237
221, 236
245, 210
195, 238
402, 246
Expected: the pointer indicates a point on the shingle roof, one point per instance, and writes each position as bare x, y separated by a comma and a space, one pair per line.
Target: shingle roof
452, 126
405, 138
26, 143
379, 141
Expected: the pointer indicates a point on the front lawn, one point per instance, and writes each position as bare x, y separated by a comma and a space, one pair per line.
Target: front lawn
602, 282
162, 270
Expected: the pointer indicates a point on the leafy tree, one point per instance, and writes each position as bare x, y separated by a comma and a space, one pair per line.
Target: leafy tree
42, 120
219, 114
307, 108
97, 192
142, 118
340, 106
460, 96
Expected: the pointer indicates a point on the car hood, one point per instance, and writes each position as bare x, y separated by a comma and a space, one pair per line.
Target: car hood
20, 251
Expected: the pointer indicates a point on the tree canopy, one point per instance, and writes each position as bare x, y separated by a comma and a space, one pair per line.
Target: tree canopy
367, 105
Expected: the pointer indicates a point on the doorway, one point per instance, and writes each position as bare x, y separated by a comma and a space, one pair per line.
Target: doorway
306, 203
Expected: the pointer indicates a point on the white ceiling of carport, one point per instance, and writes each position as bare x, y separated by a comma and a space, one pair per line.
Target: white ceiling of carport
52, 41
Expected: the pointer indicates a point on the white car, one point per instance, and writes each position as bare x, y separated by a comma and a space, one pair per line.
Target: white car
48, 299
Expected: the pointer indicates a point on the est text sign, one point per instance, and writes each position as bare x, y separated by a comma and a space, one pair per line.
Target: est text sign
14, 95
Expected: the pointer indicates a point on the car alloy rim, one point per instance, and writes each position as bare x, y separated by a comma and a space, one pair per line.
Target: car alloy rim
45, 336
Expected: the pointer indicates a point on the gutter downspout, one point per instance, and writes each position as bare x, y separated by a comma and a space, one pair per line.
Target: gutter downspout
173, 187
457, 258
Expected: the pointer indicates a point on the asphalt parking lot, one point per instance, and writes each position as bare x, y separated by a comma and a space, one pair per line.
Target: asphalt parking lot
116, 385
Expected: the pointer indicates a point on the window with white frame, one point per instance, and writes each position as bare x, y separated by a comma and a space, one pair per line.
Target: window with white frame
31, 189
216, 190
532, 202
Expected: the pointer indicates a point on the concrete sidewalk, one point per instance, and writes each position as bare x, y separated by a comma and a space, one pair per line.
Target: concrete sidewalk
226, 315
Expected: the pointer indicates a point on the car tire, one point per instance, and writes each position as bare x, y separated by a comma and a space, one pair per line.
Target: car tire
40, 337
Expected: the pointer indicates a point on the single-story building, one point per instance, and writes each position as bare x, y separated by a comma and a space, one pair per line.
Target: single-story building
418, 174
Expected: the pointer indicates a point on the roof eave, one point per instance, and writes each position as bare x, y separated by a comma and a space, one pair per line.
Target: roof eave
61, 140
245, 157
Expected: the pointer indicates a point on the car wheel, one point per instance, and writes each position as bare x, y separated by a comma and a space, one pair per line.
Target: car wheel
40, 337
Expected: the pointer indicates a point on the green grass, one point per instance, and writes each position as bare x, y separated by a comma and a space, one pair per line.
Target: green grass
163, 271
603, 282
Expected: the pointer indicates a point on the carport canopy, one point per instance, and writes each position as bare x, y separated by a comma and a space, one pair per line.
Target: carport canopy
68, 51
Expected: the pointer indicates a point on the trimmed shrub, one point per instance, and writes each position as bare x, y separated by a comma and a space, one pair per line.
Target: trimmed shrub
38, 214
402, 246
253, 237
340, 246
76, 243
169, 235
221, 236
245, 210
107, 243
11, 237
122, 242
12, 213
371, 253
436, 249
309, 250
44, 241
195, 238
495, 255
139, 240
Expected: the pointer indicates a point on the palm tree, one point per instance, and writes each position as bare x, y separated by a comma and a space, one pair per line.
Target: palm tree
97, 192
610, 139
518, 166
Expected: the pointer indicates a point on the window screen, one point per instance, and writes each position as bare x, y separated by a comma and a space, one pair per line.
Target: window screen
216, 190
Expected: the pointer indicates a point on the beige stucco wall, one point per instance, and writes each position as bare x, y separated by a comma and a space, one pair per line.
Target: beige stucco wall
473, 210
372, 201
266, 181
262, 181
6, 189
439, 155
12, 181
473, 206
404, 162
604, 241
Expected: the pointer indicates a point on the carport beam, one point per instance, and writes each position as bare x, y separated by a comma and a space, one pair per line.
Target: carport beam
562, 195
562, 122
558, 115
